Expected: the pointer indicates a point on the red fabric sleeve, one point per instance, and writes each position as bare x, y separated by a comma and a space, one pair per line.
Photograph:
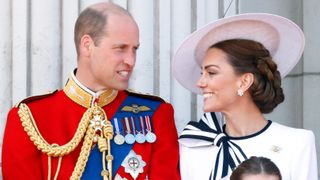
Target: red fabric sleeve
165, 151
20, 157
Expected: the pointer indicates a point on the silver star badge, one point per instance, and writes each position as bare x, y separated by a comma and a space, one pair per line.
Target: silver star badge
97, 123
133, 164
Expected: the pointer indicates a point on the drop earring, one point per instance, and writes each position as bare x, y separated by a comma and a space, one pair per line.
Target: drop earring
240, 92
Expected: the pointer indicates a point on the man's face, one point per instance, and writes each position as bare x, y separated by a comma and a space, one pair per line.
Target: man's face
113, 59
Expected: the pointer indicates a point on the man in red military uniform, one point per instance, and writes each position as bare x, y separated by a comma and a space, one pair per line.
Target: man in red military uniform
93, 128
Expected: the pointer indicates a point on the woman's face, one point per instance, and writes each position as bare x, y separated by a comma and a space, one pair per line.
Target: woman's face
260, 177
218, 82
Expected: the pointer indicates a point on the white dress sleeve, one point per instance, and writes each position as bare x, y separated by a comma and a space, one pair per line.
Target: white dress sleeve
304, 165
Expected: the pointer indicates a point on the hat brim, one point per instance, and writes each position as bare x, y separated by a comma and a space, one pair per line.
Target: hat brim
282, 37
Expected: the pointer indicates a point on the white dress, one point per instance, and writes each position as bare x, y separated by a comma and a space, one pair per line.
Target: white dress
291, 149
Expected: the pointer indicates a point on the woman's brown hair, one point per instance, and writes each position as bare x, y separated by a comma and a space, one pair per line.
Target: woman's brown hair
255, 165
247, 56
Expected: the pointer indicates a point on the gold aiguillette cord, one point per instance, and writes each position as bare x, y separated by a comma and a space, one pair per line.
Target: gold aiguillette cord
94, 114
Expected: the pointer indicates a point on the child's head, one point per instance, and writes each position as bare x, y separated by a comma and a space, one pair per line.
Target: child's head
256, 168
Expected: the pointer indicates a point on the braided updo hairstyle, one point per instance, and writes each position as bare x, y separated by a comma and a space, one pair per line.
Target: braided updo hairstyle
247, 56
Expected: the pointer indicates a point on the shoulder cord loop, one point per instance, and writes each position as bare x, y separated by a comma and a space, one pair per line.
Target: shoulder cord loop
83, 130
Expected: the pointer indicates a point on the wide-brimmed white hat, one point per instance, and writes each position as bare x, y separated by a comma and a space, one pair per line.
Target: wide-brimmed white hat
282, 37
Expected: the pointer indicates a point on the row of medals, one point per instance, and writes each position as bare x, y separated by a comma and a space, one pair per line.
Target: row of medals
132, 136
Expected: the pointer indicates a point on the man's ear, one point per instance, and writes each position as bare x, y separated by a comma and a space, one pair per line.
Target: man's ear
246, 80
86, 43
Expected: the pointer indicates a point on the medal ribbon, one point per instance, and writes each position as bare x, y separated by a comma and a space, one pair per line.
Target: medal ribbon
142, 125
116, 124
133, 126
127, 123
148, 123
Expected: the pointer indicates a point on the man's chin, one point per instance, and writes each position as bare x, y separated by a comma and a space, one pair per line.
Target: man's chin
121, 87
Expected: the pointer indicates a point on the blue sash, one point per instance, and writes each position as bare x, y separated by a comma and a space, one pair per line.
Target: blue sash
94, 165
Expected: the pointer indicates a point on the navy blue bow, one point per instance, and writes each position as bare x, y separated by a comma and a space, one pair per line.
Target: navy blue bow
207, 132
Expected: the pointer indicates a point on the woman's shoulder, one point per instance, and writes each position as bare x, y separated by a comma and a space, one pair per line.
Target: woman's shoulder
291, 132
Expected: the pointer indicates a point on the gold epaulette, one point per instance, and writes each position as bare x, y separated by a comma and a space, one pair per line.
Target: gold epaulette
145, 95
34, 98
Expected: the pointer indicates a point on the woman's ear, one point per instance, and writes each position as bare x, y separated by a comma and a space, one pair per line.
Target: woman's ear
247, 80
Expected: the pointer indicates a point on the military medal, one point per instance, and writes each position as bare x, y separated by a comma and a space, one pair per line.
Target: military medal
133, 164
129, 138
140, 137
97, 123
118, 138
150, 136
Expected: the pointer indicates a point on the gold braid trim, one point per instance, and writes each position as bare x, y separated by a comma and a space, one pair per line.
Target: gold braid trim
95, 112
55, 150
84, 155
30, 127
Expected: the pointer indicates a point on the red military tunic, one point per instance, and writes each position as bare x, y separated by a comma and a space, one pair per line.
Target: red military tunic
57, 116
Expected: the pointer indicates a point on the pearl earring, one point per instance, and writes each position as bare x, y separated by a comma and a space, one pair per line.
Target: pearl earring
240, 92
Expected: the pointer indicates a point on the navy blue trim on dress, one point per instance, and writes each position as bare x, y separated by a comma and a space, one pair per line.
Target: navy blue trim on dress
210, 132
269, 122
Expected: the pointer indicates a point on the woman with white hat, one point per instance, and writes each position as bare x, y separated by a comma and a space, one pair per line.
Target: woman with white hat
237, 63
